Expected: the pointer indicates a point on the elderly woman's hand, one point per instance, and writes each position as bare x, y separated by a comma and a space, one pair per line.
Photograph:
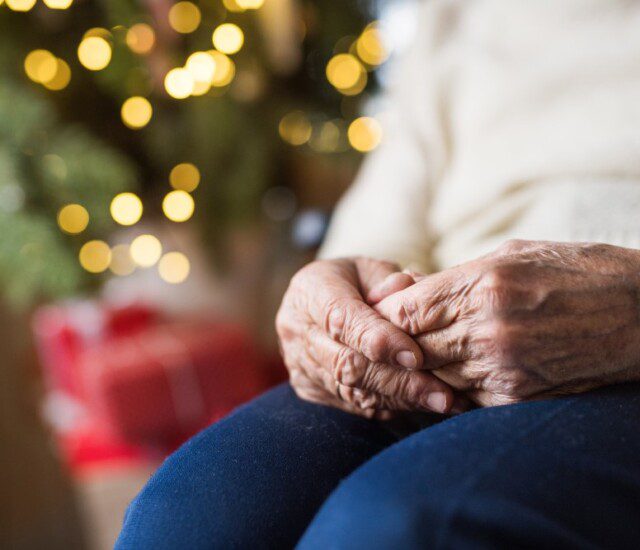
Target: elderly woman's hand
340, 352
533, 319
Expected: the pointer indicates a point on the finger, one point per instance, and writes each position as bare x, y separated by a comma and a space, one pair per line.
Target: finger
346, 318
315, 383
427, 305
394, 388
320, 396
446, 345
391, 284
371, 272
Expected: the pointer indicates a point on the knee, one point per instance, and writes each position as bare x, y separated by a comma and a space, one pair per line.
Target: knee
461, 484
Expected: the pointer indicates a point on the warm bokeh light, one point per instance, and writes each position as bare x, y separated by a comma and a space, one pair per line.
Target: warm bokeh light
141, 38
345, 72
174, 267
326, 137
178, 83
95, 256
228, 38
126, 208
40, 66
136, 112
295, 128
62, 77
94, 53
178, 206
201, 66
365, 134
184, 176
146, 250
100, 32
370, 47
232, 6
225, 69
184, 17
73, 218
121, 261
20, 5
249, 4
58, 4
200, 88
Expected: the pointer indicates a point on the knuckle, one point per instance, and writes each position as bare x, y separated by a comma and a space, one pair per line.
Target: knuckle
513, 246
375, 343
370, 377
403, 316
366, 400
345, 367
497, 287
336, 318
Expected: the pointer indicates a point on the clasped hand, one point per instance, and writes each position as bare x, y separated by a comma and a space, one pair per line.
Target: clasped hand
531, 320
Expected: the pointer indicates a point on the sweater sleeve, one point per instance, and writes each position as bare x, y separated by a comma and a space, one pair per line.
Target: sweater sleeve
384, 213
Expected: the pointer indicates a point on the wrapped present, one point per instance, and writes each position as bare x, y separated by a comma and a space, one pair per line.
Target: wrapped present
170, 380
125, 384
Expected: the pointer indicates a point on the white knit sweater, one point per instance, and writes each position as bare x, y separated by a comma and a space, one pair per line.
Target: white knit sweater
513, 119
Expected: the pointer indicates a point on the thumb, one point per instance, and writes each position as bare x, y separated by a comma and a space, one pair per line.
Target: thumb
390, 285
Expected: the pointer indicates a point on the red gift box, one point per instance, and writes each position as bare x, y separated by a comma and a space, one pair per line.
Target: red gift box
169, 381
124, 385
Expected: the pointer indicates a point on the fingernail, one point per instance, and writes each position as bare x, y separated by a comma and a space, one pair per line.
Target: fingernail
436, 401
407, 359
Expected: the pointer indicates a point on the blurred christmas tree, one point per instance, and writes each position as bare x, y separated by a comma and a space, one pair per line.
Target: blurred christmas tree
105, 106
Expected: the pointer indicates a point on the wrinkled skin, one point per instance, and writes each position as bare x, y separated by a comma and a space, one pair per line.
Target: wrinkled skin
532, 320
341, 352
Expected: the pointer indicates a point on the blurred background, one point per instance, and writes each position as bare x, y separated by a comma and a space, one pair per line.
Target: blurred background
165, 167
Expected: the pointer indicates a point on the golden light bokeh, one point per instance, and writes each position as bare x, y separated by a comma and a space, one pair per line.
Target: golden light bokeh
232, 6
201, 66
184, 176
126, 208
228, 38
62, 77
345, 72
225, 69
358, 87
141, 38
100, 32
58, 4
94, 53
20, 5
370, 47
146, 250
121, 261
95, 256
73, 218
40, 65
365, 134
200, 87
179, 83
178, 206
184, 17
326, 137
174, 267
136, 112
249, 4
295, 128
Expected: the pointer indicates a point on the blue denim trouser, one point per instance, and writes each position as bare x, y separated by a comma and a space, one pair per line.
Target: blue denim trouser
280, 471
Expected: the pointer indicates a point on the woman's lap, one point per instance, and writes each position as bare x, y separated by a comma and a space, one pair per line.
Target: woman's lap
563, 471
254, 479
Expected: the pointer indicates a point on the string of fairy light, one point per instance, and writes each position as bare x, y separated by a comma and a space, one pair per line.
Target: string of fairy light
347, 71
